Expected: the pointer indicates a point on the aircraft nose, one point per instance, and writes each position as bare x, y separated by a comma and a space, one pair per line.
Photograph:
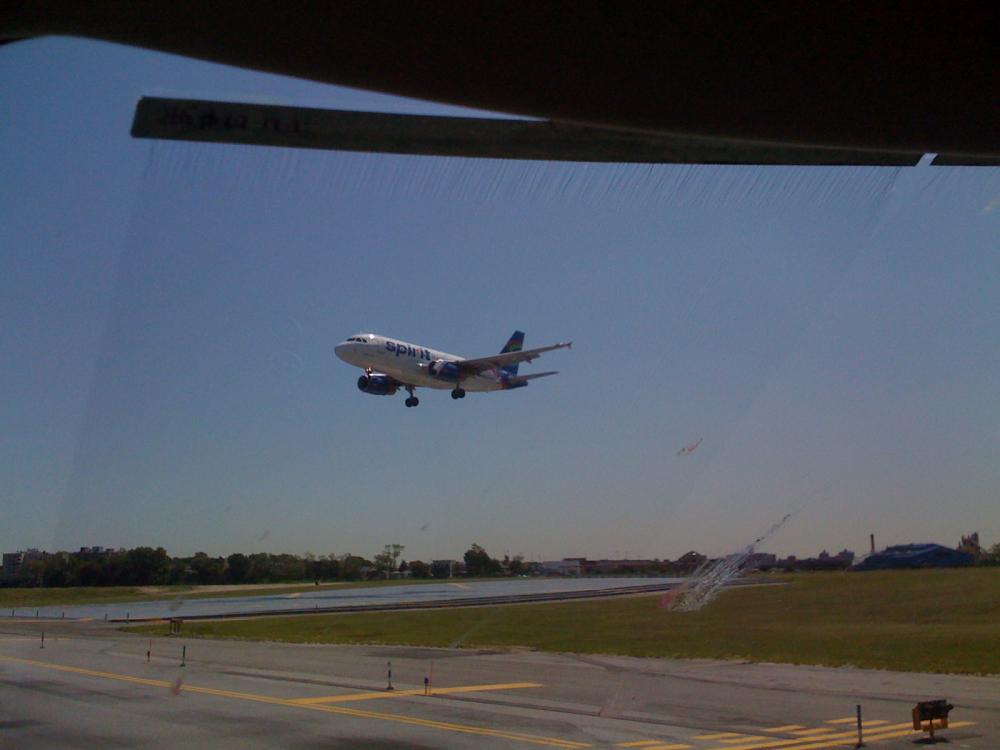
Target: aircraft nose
339, 350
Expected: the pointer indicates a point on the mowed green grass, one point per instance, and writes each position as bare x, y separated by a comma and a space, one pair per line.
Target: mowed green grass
44, 597
922, 621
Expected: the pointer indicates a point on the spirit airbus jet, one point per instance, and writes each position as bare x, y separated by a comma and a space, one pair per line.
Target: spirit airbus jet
390, 364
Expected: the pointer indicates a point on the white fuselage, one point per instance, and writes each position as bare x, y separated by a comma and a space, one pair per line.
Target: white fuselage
408, 363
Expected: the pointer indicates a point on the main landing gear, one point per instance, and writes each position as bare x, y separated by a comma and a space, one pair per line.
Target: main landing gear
459, 392
412, 400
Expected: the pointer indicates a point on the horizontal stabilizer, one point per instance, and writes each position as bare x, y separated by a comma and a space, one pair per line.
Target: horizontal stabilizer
522, 378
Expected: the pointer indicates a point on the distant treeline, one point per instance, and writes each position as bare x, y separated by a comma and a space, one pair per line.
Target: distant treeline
146, 566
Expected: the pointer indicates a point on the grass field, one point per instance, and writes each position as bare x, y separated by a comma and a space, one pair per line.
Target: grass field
43, 597
923, 621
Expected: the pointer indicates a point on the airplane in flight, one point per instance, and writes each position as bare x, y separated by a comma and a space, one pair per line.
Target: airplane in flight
391, 364
688, 449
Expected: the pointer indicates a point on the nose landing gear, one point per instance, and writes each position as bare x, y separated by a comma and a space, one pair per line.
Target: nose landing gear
459, 392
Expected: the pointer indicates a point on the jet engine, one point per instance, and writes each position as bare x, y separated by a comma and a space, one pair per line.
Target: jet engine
377, 385
444, 370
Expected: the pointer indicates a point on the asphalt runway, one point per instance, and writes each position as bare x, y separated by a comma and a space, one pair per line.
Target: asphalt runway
333, 599
91, 686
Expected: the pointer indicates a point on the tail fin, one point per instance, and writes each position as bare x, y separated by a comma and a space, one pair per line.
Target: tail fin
514, 344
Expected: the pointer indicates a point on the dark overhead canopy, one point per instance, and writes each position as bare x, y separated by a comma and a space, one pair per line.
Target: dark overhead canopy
305, 127
894, 77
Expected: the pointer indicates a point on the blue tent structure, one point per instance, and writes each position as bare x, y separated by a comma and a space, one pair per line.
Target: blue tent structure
915, 556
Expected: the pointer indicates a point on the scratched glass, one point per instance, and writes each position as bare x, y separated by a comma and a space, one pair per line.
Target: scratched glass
768, 362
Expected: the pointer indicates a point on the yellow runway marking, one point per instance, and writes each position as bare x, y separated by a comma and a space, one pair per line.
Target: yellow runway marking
744, 738
357, 713
785, 728
460, 585
718, 736
667, 747
800, 742
348, 697
836, 739
296, 595
639, 743
891, 732
807, 732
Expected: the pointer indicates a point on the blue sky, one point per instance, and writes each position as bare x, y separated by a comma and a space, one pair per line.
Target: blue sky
170, 310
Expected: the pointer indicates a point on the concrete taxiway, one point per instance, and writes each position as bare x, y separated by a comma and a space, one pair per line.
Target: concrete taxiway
93, 686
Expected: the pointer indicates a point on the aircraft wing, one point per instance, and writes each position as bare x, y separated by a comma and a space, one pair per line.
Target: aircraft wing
476, 366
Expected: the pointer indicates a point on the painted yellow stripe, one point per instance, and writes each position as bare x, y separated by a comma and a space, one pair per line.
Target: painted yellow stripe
357, 713
718, 736
295, 595
807, 732
448, 726
854, 720
88, 672
785, 728
348, 697
668, 747
639, 743
826, 742
892, 731
743, 738
875, 736
800, 743
460, 585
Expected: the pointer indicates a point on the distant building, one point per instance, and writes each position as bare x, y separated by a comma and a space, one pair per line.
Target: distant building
622, 566
761, 561
586, 566
15, 564
823, 561
569, 567
11, 565
92, 553
915, 556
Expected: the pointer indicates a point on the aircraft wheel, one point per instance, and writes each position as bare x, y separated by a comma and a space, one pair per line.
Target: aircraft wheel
412, 401
458, 393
